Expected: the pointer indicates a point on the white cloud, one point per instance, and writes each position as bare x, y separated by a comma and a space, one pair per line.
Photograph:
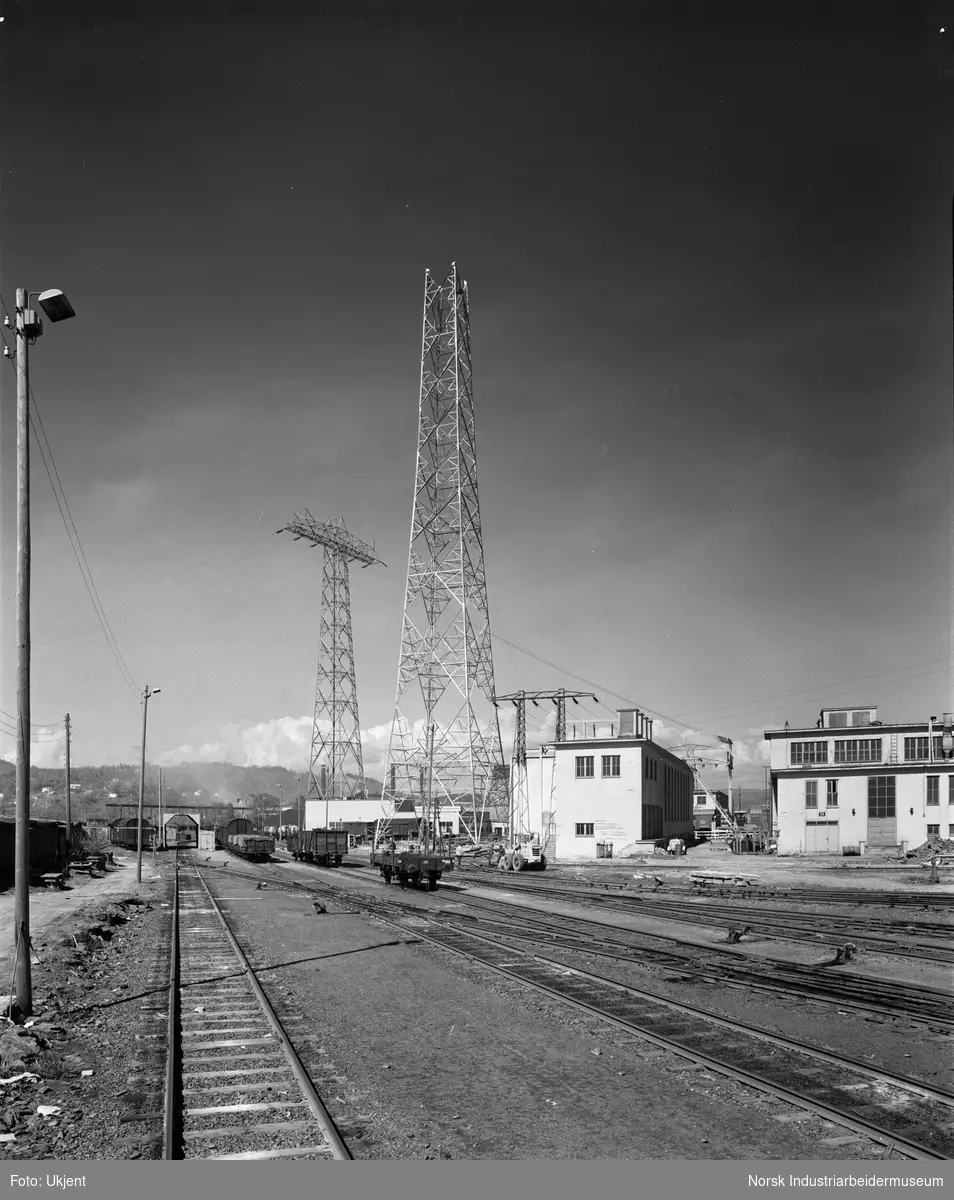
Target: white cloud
44, 752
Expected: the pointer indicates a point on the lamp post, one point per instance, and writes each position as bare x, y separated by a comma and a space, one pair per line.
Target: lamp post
28, 328
142, 775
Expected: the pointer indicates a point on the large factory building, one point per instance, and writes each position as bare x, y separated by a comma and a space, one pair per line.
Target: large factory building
608, 790
854, 784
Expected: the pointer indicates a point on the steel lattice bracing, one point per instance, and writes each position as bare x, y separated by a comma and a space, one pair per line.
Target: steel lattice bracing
336, 770
520, 822
445, 737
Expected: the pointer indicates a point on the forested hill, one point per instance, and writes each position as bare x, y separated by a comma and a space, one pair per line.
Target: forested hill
204, 783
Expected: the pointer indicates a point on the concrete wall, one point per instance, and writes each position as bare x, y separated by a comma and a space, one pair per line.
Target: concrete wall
914, 814
615, 805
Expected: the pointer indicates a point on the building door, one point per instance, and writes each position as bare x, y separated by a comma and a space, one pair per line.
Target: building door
821, 837
882, 815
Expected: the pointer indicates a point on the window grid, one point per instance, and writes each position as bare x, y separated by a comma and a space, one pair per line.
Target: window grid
811, 793
934, 789
611, 766
857, 750
934, 830
584, 766
881, 796
915, 748
584, 829
831, 793
807, 753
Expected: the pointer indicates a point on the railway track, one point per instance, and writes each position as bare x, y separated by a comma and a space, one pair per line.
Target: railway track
833, 929
234, 1087
885, 997
849, 897
897, 1111
708, 964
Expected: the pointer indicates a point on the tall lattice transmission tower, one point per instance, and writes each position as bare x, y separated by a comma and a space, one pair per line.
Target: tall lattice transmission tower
336, 771
445, 737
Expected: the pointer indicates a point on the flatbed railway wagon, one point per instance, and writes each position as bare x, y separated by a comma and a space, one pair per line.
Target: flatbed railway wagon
411, 867
323, 847
256, 847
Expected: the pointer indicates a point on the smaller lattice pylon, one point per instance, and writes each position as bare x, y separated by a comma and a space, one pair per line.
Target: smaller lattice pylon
520, 822
336, 768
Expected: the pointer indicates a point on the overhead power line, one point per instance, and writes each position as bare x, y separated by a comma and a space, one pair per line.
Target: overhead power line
72, 533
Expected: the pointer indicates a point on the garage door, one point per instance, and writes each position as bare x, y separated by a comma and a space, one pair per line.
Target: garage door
821, 837
882, 831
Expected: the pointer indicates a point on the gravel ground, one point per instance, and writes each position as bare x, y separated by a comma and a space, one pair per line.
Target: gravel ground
434, 1058
96, 1043
417, 1053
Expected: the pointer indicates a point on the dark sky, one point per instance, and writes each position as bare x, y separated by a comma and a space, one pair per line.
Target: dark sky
709, 259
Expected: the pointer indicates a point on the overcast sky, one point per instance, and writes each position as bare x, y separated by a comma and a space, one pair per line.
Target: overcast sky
709, 258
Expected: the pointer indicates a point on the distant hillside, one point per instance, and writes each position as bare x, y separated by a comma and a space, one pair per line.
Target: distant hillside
199, 783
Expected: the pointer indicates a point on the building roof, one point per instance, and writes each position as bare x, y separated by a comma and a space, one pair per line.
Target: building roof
608, 743
875, 730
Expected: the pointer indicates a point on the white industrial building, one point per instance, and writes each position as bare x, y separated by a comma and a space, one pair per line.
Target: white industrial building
608, 789
853, 783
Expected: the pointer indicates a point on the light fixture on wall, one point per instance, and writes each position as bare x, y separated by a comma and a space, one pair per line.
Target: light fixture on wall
852, 812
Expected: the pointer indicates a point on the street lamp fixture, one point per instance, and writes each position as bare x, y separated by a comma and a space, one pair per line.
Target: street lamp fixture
28, 329
56, 306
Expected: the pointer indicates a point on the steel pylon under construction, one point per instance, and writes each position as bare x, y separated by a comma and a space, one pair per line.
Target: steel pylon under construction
445, 736
336, 771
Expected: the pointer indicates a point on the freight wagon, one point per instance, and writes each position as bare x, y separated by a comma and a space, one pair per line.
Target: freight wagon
224, 832
413, 867
125, 832
256, 847
324, 847
48, 848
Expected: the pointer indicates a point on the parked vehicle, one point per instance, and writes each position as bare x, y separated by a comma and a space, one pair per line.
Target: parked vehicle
256, 847
323, 847
414, 867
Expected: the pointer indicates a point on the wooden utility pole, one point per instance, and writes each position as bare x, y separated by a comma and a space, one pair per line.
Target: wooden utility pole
22, 973
142, 777
69, 805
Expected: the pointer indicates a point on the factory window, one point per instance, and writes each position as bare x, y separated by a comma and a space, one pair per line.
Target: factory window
806, 753
585, 829
915, 747
610, 765
700, 800
934, 830
811, 793
934, 789
881, 796
831, 798
857, 750
584, 766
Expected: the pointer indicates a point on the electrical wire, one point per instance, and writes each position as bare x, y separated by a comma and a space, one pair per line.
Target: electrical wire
709, 712
33, 724
76, 544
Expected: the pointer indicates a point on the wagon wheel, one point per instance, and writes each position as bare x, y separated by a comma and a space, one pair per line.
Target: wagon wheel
432, 882
402, 878
387, 874
543, 862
